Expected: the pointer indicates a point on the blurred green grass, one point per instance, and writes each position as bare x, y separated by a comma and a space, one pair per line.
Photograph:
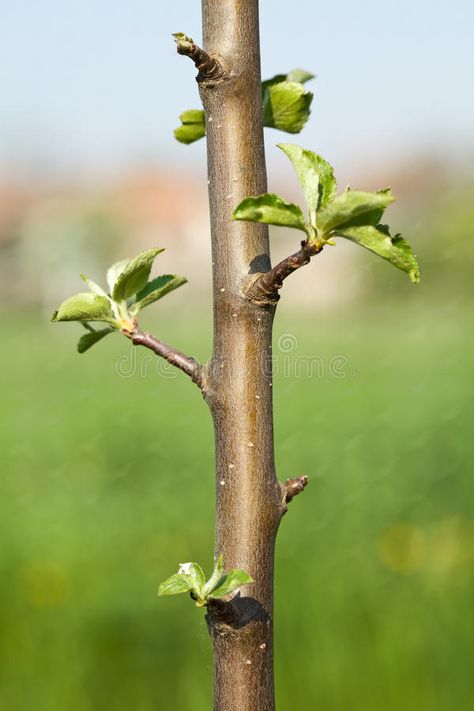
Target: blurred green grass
107, 483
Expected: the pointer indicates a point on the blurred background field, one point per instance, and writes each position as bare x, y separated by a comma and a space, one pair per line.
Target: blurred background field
106, 459
109, 483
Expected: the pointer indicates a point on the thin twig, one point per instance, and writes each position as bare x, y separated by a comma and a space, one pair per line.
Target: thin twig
209, 68
293, 487
187, 364
263, 288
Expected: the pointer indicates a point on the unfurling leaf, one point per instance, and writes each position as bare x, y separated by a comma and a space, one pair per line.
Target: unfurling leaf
231, 581
85, 307
183, 40
156, 289
193, 126
95, 288
190, 578
352, 207
299, 75
271, 210
114, 271
196, 575
286, 106
89, 339
315, 175
130, 292
394, 249
134, 275
175, 585
216, 577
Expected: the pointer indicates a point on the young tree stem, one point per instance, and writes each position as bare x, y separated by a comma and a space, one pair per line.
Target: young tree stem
239, 379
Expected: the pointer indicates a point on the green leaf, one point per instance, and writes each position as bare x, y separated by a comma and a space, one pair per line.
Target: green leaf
216, 577
156, 289
277, 79
353, 207
195, 574
232, 580
114, 271
286, 106
192, 116
85, 307
182, 40
396, 249
315, 176
89, 339
327, 182
299, 75
189, 578
175, 585
193, 126
271, 210
372, 217
134, 276
296, 75
95, 288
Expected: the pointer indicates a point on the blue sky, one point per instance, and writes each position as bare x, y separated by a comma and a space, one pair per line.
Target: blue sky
97, 86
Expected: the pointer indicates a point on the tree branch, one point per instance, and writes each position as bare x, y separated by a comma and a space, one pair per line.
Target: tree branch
263, 288
187, 364
209, 68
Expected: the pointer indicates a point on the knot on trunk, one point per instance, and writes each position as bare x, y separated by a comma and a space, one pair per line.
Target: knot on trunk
235, 613
291, 488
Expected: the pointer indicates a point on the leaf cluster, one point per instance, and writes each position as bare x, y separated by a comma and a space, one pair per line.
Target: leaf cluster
286, 106
190, 578
353, 214
129, 291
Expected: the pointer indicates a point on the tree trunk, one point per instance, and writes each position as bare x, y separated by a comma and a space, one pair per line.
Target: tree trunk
238, 380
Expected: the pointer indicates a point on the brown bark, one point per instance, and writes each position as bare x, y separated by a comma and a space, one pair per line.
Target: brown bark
248, 495
237, 382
